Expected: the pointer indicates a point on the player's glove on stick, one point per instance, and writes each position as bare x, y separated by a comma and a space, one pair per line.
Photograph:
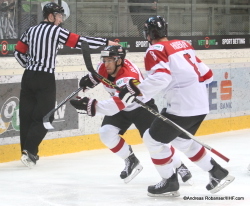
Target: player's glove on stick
88, 81
130, 91
85, 104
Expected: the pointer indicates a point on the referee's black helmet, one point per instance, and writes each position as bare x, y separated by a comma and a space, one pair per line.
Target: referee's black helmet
51, 8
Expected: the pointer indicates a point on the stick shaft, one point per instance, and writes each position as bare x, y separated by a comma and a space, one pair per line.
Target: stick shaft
46, 121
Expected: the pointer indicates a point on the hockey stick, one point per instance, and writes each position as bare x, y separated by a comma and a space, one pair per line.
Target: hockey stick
89, 65
46, 122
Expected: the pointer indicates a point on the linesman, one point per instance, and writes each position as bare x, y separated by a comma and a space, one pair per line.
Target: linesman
36, 51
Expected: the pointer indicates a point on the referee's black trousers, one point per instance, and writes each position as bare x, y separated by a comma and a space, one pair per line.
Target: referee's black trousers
37, 98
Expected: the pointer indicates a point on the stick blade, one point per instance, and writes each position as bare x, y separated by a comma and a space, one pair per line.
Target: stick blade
48, 125
46, 122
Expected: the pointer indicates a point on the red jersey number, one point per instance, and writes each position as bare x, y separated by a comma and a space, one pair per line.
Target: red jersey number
187, 57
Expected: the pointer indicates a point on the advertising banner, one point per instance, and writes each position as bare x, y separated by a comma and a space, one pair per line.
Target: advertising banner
7, 47
139, 44
66, 117
228, 95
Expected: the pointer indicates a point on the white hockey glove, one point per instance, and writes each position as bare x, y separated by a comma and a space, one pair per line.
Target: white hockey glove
130, 91
86, 104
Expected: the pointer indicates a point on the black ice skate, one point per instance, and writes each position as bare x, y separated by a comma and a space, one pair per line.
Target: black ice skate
166, 188
29, 159
132, 168
184, 173
219, 178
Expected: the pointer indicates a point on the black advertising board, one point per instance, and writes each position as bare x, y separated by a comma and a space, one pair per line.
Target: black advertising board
220, 42
138, 44
66, 117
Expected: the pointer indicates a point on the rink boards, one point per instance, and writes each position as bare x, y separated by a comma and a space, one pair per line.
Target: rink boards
228, 98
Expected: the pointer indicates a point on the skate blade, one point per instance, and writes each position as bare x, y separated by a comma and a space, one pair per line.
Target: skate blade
27, 162
189, 182
167, 194
226, 181
135, 172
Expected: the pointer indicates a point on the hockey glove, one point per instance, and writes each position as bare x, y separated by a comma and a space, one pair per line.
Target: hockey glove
130, 91
86, 104
89, 81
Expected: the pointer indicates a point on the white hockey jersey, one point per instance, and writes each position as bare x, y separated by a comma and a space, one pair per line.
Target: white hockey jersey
174, 69
114, 104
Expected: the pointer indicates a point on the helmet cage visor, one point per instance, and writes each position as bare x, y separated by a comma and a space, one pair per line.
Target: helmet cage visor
63, 16
114, 59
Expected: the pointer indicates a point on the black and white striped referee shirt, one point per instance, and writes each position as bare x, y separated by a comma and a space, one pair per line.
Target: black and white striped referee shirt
37, 48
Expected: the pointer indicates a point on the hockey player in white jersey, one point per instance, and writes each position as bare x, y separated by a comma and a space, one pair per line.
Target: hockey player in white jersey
119, 116
174, 69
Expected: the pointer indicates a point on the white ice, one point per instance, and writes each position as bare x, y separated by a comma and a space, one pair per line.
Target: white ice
91, 178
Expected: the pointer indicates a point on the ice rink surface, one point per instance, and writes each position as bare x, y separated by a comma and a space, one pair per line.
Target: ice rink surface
91, 178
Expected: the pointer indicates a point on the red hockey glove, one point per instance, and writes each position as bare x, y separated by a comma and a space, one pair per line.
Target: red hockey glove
130, 91
86, 104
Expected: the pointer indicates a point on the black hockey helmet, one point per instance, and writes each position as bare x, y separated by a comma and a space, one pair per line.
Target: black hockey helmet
155, 27
51, 8
114, 51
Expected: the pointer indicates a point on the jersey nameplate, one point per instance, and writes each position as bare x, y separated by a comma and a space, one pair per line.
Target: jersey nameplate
179, 45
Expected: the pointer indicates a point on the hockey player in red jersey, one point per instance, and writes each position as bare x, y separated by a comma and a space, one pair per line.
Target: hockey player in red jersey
119, 115
174, 69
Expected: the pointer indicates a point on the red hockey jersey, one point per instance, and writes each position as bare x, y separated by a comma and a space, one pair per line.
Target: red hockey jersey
114, 104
